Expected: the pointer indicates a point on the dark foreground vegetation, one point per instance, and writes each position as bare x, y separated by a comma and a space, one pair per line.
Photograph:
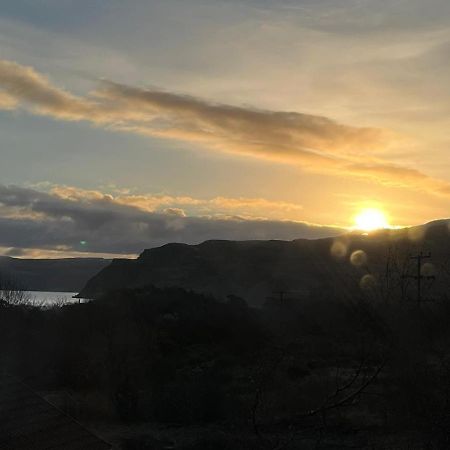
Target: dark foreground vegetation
160, 369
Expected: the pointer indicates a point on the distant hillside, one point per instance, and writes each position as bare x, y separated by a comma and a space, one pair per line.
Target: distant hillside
53, 275
258, 269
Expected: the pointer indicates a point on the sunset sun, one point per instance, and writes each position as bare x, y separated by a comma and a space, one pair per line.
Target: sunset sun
371, 219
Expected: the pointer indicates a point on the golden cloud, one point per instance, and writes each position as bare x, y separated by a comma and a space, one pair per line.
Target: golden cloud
216, 206
313, 142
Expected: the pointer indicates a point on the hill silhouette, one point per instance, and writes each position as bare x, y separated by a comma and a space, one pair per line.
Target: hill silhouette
52, 275
167, 367
256, 270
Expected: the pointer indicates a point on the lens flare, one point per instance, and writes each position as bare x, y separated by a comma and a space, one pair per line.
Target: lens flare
371, 219
358, 258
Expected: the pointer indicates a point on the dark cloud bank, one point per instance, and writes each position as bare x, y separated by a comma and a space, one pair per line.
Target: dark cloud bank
31, 219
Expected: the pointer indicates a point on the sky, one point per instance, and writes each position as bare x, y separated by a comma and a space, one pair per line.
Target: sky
129, 124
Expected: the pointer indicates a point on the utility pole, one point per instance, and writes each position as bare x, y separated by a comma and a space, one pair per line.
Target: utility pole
281, 296
419, 277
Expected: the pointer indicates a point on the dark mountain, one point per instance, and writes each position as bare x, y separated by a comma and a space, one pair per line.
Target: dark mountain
255, 270
53, 275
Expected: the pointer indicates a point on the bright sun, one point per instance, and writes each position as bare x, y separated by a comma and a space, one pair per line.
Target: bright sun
371, 219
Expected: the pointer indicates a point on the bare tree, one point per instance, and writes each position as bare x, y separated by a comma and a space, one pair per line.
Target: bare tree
12, 293
343, 388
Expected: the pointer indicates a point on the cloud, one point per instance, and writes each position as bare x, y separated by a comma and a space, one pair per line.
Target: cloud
7, 101
27, 86
217, 206
89, 222
312, 142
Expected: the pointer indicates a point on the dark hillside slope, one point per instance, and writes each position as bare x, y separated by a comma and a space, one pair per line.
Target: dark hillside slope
53, 275
258, 269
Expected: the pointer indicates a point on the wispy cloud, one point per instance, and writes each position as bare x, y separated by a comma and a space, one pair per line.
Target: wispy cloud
312, 142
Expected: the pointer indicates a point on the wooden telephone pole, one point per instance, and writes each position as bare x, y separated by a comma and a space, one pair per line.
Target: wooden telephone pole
419, 277
281, 296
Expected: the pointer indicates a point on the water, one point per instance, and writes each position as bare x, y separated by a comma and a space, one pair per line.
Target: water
39, 298
51, 298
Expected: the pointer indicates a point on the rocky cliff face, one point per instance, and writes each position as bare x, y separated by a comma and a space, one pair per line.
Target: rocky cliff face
255, 270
